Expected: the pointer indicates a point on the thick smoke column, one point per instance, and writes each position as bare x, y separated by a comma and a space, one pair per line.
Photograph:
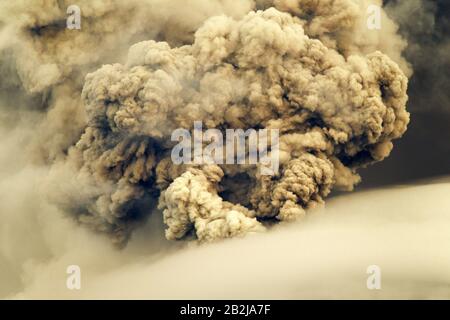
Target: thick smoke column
338, 106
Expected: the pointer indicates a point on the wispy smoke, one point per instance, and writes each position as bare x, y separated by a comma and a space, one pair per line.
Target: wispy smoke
426, 26
324, 256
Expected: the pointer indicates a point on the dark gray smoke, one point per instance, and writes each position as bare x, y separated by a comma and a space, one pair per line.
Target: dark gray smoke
425, 24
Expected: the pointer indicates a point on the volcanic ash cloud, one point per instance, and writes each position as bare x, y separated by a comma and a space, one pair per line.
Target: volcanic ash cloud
337, 109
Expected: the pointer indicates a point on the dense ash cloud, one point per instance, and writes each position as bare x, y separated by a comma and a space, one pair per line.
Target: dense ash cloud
44, 61
336, 107
110, 171
311, 69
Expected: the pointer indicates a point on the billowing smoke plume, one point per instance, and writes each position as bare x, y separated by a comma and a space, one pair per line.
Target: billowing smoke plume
311, 69
42, 57
336, 112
